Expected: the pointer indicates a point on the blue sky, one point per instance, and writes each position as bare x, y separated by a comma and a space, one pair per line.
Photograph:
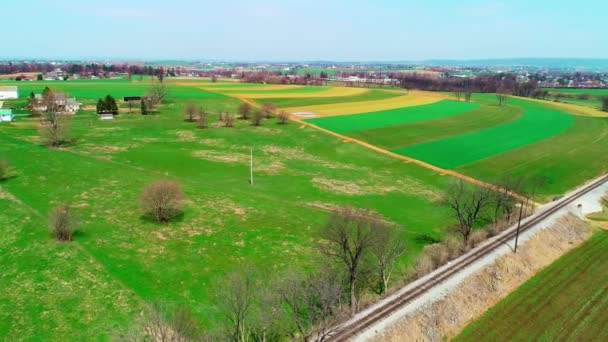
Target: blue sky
342, 30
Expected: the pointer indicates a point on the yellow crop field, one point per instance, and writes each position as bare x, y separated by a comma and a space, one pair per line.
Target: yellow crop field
334, 91
413, 98
218, 87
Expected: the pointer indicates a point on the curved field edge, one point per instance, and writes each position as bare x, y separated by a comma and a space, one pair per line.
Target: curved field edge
412, 98
568, 300
414, 133
537, 123
371, 95
364, 121
301, 92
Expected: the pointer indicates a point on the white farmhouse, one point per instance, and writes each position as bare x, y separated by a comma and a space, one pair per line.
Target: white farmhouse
9, 93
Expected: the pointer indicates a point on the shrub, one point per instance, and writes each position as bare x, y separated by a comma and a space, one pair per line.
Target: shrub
61, 223
244, 110
438, 253
162, 200
268, 108
477, 237
228, 120
190, 112
283, 117
257, 118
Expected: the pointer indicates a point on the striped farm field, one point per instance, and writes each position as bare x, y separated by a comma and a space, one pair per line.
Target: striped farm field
363, 121
567, 301
412, 98
397, 136
296, 92
277, 88
562, 161
371, 95
538, 122
251, 87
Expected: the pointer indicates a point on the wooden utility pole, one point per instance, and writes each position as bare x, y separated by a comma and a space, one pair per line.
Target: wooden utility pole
521, 209
251, 168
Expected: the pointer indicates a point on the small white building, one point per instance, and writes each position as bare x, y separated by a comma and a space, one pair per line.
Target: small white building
6, 115
9, 93
106, 116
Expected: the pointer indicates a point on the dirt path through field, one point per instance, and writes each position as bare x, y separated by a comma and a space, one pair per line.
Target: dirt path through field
439, 170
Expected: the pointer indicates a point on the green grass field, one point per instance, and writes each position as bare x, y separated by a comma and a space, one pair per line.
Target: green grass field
538, 122
594, 100
365, 121
567, 301
372, 95
95, 89
119, 261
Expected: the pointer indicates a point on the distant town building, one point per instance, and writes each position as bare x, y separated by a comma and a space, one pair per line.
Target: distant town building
9, 93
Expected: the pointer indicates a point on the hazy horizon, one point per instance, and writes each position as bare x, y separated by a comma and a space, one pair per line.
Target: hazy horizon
274, 31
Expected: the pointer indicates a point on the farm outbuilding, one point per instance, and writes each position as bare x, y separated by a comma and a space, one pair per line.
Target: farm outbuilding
9, 93
6, 115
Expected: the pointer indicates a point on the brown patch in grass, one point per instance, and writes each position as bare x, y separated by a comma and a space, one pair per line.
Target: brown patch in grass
334, 185
375, 184
185, 135
212, 142
7, 196
446, 317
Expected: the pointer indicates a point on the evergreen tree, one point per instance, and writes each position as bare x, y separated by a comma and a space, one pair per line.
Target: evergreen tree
101, 106
110, 105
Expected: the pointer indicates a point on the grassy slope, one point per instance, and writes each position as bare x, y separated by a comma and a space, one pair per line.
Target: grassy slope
566, 301
372, 95
351, 123
417, 132
226, 221
538, 122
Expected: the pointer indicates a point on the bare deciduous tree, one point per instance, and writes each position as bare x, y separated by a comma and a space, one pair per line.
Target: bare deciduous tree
348, 238
502, 98
283, 117
605, 103
236, 301
311, 301
162, 200
257, 118
244, 111
388, 247
228, 119
54, 129
467, 95
61, 223
202, 119
189, 112
458, 95
467, 203
159, 324
268, 109
157, 93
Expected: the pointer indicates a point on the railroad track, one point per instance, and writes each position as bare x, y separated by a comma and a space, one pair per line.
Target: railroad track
351, 329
